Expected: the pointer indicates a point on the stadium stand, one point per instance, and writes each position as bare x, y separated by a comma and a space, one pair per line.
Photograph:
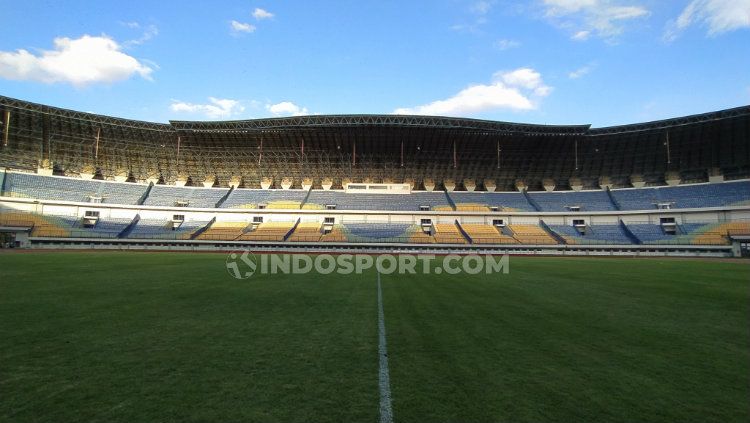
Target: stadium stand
688, 196
307, 232
26, 185
596, 234
336, 234
272, 199
23, 185
268, 231
511, 166
486, 234
531, 234
376, 232
485, 201
448, 233
165, 229
393, 202
223, 231
168, 196
565, 201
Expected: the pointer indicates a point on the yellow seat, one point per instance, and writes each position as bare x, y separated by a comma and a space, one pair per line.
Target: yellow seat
448, 233
486, 234
531, 234
223, 231
268, 231
306, 232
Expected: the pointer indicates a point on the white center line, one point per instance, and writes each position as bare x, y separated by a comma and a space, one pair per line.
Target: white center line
386, 412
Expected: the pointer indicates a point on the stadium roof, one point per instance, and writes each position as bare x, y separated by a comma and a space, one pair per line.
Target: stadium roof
366, 121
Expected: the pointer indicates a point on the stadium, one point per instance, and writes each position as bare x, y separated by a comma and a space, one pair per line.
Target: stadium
374, 184
448, 211
317, 183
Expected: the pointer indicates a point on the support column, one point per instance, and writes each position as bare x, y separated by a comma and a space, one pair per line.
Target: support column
6, 127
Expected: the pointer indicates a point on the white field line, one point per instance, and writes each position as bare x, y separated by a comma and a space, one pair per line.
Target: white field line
386, 412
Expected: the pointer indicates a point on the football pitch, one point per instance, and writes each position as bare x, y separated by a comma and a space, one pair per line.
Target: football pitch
125, 337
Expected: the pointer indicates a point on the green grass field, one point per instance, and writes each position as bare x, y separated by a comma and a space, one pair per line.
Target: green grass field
124, 337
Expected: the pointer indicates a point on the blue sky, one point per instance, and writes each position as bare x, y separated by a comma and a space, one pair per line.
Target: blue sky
604, 62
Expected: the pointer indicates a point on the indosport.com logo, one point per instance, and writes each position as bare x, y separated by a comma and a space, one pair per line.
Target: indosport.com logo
244, 264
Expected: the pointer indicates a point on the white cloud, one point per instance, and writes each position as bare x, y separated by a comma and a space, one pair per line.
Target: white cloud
718, 16
150, 32
604, 18
506, 44
238, 27
519, 89
580, 72
260, 14
216, 108
286, 108
81, 61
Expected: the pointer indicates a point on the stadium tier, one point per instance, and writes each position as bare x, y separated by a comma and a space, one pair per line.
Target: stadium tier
32, 186
424, 151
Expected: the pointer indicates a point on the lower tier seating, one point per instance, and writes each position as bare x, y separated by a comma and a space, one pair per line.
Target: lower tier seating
531, 234
486, 234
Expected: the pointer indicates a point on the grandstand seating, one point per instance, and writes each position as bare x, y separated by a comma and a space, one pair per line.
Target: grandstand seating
531, 234
486, 234
650, 233
687, 196
718, 234
27, 185
448, 233
273, 199
41, 226
223, 231
72, 189
596, 234
319, 199
194, 197
268, 231
336, 234
377, 232
306, 232
561, 201
161, 229
482, 201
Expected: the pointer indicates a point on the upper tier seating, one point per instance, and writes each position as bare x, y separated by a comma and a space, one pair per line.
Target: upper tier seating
272, 199
27, 185
482, 201
168, 196
319, 199
687, 196
561, 201
596, 234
